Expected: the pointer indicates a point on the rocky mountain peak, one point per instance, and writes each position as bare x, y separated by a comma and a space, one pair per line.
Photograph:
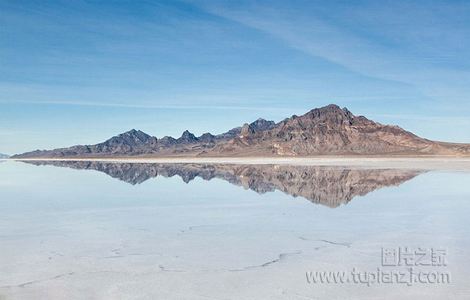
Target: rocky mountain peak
132, 137
187, 137
167, 140
261, 125
331, 114
247, 130
136, 133
206, 137
255, 127
330, 109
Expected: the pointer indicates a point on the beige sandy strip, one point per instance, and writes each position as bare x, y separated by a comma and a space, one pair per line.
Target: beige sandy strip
425, 163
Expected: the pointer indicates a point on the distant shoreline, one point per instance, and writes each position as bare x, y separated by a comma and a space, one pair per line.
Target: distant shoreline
451, 163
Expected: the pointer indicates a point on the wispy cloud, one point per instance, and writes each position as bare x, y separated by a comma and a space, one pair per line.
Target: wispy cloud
145, 106
314, 30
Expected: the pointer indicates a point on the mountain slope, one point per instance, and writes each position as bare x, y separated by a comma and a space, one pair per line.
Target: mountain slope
329, 130
4, 155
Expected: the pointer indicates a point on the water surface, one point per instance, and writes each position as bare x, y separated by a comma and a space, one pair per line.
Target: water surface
91, 230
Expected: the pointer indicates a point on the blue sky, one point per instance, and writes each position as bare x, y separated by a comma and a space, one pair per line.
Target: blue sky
79, 72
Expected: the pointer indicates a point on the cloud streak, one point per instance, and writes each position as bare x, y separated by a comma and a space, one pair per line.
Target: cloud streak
304, 29
145, 106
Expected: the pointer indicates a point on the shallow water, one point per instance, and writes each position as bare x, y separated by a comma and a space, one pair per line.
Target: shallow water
91, 230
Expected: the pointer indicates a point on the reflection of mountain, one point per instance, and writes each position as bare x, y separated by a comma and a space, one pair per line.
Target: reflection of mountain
331, 186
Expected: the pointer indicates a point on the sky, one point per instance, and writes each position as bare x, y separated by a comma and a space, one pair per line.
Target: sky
79, 72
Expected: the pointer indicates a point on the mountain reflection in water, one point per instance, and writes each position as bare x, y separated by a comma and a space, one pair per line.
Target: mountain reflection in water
330, 186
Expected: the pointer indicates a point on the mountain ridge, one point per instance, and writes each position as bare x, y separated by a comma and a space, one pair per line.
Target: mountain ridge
329, 130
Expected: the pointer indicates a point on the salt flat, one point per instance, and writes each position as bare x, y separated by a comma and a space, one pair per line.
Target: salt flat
422, 162
84, 234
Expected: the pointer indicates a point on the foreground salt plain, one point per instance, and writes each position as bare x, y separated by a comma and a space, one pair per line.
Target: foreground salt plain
100, 230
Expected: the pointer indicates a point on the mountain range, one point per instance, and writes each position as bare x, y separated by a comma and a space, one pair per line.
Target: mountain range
328, 130
330, 186
4, 156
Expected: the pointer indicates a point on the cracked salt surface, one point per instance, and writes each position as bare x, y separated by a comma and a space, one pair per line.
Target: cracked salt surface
22, 285
281, 257
80, 235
